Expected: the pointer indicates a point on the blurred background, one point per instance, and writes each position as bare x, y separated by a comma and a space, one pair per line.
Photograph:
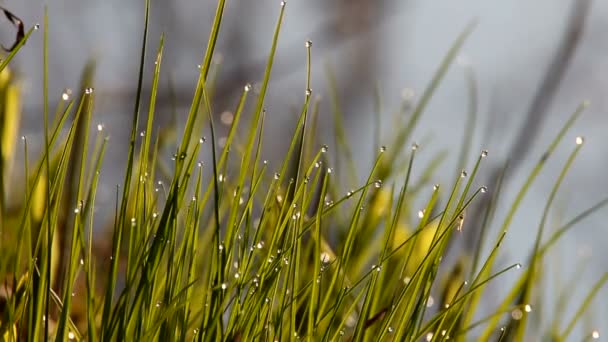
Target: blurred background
534, 63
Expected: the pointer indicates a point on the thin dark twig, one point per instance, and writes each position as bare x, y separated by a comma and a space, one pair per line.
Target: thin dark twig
540, 105
18, 23
545, 94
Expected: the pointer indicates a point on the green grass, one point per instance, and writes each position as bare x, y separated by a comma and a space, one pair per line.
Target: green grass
237, 248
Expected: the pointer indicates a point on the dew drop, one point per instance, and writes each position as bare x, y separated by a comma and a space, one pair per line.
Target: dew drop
324, 257
516, 314
142, 133
260, 245
202, 140
415, 146
277, 175
99, 127
382, 149
308, 92
483, 189
324, 148
349, 194
308, 43
88, 91
71, 336
378, 183
436, 187
484, 153
283, 3
81, 261
595, 334
407, 94
463, 174
527, 308
429, 336
224, 286
341, 332
37, 26
66, 94
430, 302
226, 117
317, 165
330, 170
518, 266
158, 304
76, 210
420, 213
580, 140
265, 162
390, 330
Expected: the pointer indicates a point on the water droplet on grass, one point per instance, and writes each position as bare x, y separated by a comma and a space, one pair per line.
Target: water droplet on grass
483, 189
308, 92
420, 213
308, 43
66, 94
407, 94
226, 118
463, 174
324, 148
580, 140
224, 286
484, 153
283, 3
277, 175
527, 308
382, 149
516, 314
378, 183
88, 91
595, 334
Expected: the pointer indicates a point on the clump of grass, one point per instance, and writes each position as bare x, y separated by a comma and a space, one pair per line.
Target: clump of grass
237, 248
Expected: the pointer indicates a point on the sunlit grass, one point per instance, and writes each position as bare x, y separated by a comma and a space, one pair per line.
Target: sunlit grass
238, 248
